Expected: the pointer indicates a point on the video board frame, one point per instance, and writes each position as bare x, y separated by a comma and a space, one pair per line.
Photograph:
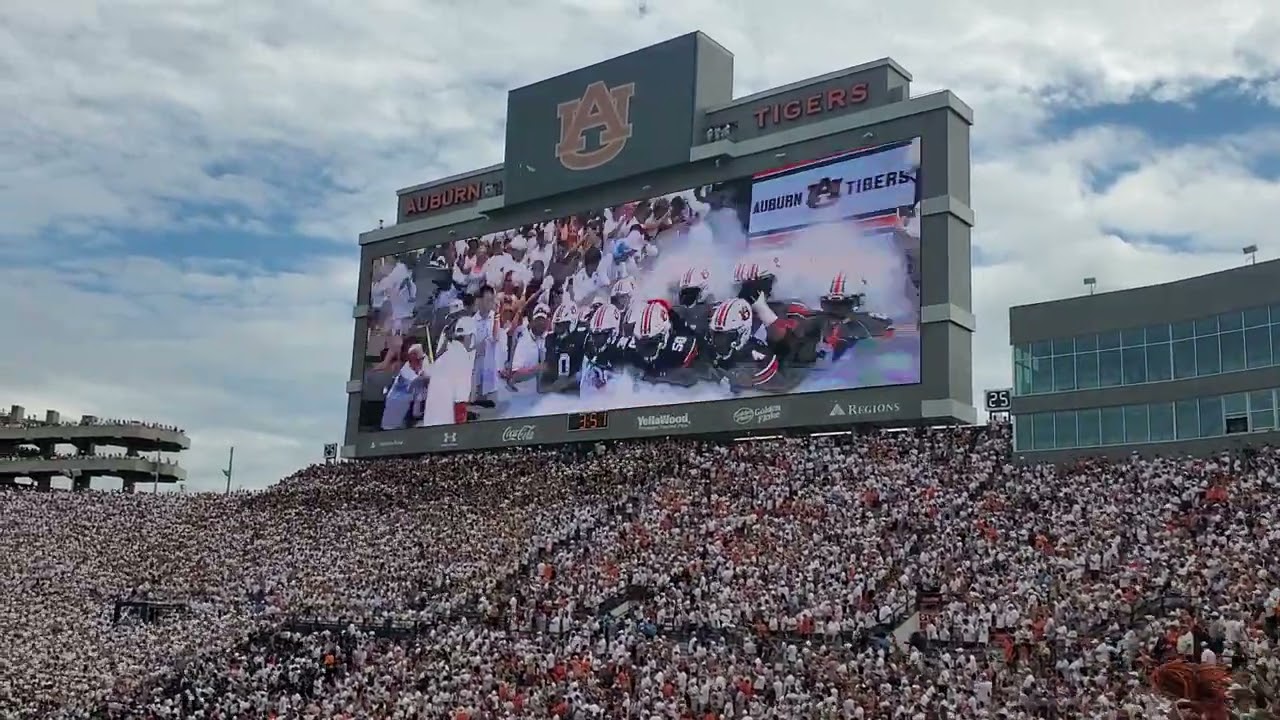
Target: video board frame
942, 395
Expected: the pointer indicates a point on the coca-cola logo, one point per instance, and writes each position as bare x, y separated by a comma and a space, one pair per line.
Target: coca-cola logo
518, 433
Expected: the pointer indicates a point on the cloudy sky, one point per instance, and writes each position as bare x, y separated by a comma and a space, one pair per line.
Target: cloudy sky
182, 181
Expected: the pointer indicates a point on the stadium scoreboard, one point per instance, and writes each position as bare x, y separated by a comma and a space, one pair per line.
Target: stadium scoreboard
654, 257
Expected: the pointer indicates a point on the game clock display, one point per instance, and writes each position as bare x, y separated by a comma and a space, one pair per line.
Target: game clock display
598, 420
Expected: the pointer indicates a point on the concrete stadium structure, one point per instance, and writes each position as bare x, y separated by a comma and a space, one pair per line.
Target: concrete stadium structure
34, 450
1185, 368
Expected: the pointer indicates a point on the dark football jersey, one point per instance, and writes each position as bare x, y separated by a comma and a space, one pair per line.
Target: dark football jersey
679, 361
753, 366
695, 319
562, 362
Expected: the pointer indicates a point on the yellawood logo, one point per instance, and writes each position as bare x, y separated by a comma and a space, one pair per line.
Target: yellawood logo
600, 107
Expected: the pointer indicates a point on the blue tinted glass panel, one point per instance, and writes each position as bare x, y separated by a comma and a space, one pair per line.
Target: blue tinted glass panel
1110, 372
1183, 330
1112, 426
1042, 431
1275, 344
1257, 347
1088, 429
1161, 417
1211, 424
1109, 340
1158, 333
1208, 359
1253, 317
1086, 342
1186, 419
1021, 433
1235, 404
1184, 359
1042, 348
1135, 365
1262, 420
1261, 400
1135, 424
1207, 326
1041, 375
1232, 344
1064, 373
1087, 370
1159, 364
1230, 321
1064, 428
1133, 337
1064, 346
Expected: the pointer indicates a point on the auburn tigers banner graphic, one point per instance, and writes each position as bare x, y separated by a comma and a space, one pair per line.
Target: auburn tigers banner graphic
851, 185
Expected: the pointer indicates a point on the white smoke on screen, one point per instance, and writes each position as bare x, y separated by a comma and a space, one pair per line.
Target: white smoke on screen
808, 260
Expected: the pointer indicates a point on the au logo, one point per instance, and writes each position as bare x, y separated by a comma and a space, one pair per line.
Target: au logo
600, 108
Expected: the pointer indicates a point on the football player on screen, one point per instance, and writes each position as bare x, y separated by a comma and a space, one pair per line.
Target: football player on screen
665, 351
694, 300
604, 357
844, 320
739, 359
562, 361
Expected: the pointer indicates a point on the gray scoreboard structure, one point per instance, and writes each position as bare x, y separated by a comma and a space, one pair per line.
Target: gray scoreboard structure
835, 208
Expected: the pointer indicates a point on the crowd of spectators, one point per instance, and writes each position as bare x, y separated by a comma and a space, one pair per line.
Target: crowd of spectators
917, 575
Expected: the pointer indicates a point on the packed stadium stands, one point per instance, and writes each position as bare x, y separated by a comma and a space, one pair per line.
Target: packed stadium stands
912, 574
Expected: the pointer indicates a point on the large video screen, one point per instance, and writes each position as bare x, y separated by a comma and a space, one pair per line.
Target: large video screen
802, 279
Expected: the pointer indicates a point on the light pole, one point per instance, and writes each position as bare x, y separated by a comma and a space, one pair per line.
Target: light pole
1091, 283
1252, 252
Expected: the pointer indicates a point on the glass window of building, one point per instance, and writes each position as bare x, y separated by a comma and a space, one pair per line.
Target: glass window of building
1161, 417
1042, 349
1064, 429
1232, 344
1207, 326
1261, 410
1022, 369
1186, 419
1133, 337
1021, 433
1208, 358
1064, 346
1135, 424
1211, 422
1042, 431
1087, 370
1229, 321
1041, 375
1086, 343
1257, 347
1159, 362
1182, 330
1184, 359
1064, 373
1112, 421
1089, 431
1275, 343
1109, 340
1255, 317
1135, 365
1158, 333
1110, 368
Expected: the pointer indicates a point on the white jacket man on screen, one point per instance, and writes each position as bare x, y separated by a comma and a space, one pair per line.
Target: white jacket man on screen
449, 378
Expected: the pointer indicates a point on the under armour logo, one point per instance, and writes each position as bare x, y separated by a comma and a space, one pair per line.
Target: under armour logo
450, 438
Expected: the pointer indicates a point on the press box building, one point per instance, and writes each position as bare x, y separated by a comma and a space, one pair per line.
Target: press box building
1187, 367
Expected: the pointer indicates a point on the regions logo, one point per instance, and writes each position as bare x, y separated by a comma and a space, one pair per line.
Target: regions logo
518, 433
665, 421
603, 108
852, 410
757, 415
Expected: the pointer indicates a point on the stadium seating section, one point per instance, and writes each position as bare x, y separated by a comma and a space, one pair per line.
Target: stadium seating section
897, 575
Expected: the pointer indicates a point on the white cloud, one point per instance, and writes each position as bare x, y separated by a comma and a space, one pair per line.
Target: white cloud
305, 117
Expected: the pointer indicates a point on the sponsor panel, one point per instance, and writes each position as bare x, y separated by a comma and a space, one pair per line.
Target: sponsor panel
762, 415
663, 421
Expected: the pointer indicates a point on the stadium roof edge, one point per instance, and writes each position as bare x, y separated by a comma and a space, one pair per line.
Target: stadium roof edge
1263, 266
